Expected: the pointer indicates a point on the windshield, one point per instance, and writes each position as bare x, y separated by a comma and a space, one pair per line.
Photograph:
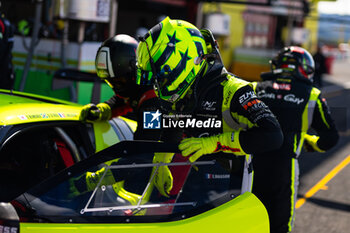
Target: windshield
125, 187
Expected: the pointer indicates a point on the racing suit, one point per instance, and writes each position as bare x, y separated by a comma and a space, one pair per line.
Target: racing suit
246, 121
221, 97
6, 44
298, 106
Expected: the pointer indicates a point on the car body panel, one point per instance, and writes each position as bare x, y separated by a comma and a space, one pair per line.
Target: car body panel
22, 112
19, 96
106, 136
131, 123
20, 108
243, 214
28, 113
226, 211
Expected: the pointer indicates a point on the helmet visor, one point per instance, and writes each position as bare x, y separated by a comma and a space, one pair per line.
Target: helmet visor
103, 63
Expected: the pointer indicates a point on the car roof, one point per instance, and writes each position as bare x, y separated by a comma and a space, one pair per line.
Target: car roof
19, 108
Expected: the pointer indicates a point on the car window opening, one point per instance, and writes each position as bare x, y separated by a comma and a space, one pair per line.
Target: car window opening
124, 187
33, 155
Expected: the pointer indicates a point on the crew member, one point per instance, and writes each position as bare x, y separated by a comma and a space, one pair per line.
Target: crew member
298, 107
190, 79
116, 65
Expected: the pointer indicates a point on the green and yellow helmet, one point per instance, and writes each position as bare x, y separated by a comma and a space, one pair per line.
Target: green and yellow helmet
170, 56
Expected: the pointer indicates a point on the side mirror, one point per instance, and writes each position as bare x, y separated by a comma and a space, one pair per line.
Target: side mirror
9, 220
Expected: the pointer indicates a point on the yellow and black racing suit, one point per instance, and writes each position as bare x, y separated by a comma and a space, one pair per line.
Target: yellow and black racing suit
298, 106
246, 122
248, 126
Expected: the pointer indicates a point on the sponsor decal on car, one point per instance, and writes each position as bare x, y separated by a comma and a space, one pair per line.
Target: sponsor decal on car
47, 116
62, 115
22, 117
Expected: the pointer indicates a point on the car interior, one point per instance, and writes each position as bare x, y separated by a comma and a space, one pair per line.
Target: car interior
32, 153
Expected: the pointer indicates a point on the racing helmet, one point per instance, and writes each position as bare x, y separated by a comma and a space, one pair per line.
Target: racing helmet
171, 56
116, 64
294, 61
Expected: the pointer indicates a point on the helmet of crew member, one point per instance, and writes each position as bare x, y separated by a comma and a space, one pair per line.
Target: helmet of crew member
294, 61
171, 57
116, 64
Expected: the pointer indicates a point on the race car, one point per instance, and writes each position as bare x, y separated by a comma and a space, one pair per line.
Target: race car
75, 176
40, 136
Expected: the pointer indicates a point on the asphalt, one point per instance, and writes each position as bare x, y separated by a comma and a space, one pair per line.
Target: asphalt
327, 210
339, 78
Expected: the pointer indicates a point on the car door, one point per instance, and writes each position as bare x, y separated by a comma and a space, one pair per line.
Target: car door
32, 152
115, 188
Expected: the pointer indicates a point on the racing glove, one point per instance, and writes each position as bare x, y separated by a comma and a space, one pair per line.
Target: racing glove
92, 112
163, 179
88, 182
226, 142
310, 143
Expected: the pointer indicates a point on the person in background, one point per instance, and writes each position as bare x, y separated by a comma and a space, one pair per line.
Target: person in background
6, 45
298, 106
320, 67
116, 65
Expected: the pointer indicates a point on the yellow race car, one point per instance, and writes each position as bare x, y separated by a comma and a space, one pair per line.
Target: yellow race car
62, 185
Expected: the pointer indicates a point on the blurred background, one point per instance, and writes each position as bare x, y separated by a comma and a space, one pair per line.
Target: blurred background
54, 34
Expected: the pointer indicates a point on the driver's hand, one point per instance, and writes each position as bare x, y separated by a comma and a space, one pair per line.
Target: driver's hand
163, 179
73, 189
196, 147
92, 112
227, 142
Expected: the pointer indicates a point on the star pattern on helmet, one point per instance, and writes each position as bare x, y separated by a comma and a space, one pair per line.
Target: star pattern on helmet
169, 50
185, 57
181, 66
172, 40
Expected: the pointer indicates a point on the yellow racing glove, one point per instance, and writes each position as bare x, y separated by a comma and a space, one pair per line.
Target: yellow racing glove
163, 179
88, 182
226, 142
92, 112
310, 143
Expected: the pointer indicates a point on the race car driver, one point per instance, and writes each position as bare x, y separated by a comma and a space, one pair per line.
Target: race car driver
190, 79
116, 64
298, 106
